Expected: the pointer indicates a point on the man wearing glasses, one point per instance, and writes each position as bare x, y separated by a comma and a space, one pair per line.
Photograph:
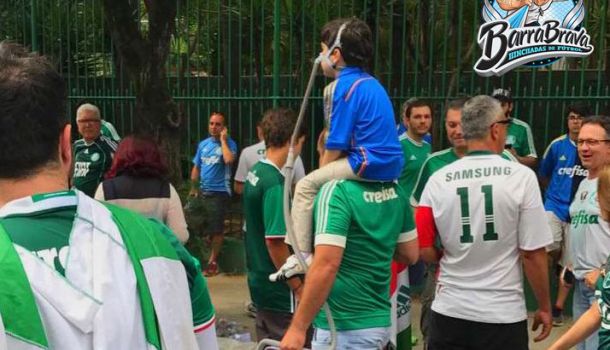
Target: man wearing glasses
93, 152
485, 211
560, 173
589, 234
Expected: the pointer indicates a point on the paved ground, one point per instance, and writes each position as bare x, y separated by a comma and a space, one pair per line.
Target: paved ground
230, 293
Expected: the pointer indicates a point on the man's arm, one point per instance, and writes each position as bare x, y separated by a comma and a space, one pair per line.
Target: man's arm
194, 182
509, 5
527, 161
238, 187
407, 252
278, 251
227, 155
536, 271
319, 281
426, 231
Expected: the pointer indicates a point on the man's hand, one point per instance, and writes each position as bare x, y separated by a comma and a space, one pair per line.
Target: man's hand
591, 278
224, 134
545, 319
508, 5
293, 340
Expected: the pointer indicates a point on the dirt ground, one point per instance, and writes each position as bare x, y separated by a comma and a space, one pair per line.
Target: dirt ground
230, 294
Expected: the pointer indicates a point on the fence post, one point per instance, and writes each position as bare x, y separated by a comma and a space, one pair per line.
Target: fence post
33, 26
276, 52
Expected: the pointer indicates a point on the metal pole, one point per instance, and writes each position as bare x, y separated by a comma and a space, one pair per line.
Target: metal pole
276, 52
33, 29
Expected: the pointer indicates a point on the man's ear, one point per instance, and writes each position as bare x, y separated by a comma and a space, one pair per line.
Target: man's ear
65, 146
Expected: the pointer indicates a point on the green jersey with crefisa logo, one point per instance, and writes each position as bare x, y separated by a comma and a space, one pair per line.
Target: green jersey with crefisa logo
263, 211
91, 161
367, 219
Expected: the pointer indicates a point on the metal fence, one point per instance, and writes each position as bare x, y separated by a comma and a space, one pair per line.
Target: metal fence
242, 57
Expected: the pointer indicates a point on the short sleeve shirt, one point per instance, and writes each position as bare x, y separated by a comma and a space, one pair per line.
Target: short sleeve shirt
561, 166
361, 123
437, 161
263, 211
367, 219
214, 174
252, 154
91, 162
414, 153
486, 209
589, 234
520, 137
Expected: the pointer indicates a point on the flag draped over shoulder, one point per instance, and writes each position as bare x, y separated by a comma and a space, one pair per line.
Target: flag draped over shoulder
400, 296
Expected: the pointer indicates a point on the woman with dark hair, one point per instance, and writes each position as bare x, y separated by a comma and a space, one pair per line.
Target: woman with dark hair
137, 180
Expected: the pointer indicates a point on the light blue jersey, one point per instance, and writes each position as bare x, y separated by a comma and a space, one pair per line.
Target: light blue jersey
561, 166
214, 174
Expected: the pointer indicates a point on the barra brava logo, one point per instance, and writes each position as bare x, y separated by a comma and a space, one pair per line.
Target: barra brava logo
533, 33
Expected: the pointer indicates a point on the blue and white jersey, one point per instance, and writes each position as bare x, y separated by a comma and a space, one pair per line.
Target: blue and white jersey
401, 129
214, 174
361, 123
560, 164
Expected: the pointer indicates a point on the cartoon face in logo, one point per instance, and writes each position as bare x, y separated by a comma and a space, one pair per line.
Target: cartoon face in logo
95, 157
530, 32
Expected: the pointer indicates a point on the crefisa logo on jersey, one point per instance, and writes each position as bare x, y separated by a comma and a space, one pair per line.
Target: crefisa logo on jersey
533, 33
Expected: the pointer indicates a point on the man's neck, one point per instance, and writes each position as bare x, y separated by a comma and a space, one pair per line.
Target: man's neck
460, 151
481, 145
89, 141
413, 136
573, 136
43, 183
277, 156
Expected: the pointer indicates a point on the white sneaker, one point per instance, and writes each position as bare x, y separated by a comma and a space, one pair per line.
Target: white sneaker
291, 268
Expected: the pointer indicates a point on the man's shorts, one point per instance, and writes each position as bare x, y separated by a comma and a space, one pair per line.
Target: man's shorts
454, 333
216, 205
560, 231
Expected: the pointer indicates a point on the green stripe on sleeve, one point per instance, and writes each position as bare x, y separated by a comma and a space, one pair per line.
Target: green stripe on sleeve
17, 304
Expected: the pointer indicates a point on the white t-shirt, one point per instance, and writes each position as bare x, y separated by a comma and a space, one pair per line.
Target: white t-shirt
252, 154
485, 209
589, 234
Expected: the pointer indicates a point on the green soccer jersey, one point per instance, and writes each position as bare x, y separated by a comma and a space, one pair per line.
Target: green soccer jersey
263, 211
415, 153
602, 295
91, 161
436, 161
367, 219
109, 131
519, 136
44, 233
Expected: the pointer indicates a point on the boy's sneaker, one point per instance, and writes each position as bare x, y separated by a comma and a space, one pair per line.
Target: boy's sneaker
291, 268
557, 317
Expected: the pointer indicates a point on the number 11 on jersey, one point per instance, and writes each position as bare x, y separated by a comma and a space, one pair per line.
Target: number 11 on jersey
490, 230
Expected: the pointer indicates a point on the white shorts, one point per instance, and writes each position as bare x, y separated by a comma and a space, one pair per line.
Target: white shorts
560, 231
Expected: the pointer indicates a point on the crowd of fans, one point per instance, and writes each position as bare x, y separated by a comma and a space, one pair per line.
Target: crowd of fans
467, 219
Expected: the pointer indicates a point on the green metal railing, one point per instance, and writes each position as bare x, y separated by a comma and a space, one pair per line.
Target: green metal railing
242, 57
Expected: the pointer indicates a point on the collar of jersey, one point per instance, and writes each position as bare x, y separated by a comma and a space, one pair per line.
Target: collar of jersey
416, 143
267, 161
40, 202
350, 70
481, 153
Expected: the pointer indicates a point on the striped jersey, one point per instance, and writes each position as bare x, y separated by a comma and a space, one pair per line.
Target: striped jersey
263, 211
91, 162
486, 209
561, 165
520, 138
367, 219
415, 153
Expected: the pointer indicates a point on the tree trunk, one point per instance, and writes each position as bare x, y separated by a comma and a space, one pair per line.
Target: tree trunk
143, 57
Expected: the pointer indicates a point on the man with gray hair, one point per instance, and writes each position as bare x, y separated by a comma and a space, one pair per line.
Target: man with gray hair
107, 128
486, 213
93, 153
